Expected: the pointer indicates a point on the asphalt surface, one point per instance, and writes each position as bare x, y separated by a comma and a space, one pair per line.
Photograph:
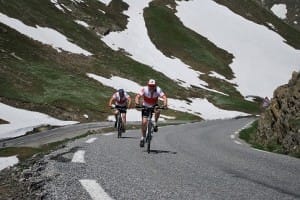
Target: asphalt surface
202, 160
54, 135
64, 132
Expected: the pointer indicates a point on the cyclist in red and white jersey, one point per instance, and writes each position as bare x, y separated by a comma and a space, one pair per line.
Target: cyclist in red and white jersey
150, 95
120, 99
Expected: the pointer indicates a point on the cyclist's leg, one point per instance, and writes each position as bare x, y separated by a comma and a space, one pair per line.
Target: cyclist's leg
143, 127
124, 121
115, 112
156, 116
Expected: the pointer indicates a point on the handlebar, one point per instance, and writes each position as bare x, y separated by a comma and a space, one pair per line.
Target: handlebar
118, 108
151, 108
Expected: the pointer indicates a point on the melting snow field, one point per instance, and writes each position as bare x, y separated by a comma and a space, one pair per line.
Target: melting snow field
8, 161
199, 107
136, 42
44, 35
263, 61
22, 121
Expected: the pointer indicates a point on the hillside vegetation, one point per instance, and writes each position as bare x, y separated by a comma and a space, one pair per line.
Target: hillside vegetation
37, 77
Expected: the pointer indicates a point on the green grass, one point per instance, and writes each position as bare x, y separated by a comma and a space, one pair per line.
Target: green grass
22, 153
234, 103
221, 86
54, 83
173, 39
249, 135
45, 14
43, 84
53, 80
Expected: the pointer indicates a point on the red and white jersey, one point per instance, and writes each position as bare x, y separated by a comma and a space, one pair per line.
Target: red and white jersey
151, 98
121, 101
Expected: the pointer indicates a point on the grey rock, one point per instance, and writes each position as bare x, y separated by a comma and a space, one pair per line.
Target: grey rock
280, 123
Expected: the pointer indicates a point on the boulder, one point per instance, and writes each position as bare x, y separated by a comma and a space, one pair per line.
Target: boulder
279, 124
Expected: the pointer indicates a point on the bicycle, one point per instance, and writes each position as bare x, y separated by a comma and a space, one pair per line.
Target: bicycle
120, 126
150, 126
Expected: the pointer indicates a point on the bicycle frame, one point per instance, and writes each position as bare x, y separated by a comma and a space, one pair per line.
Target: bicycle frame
119, 124
150, 127
119, 121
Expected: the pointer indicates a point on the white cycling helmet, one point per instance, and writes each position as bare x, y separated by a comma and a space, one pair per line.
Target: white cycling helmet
151, 82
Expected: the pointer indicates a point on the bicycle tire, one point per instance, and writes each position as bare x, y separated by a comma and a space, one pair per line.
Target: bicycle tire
149, 136
119, 125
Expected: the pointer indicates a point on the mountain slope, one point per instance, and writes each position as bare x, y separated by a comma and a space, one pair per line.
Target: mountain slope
56, 83
38, 77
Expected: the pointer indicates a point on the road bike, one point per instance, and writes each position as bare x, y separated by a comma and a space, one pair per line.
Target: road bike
150, 125
119, 122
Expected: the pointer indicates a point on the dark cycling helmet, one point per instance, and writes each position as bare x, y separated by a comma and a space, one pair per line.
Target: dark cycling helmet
121, 92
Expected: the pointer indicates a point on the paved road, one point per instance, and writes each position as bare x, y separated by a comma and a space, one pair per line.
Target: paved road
64, 132
54, 135
202, 160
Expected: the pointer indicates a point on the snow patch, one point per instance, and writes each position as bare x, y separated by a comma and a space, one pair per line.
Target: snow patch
279, 10
44, 35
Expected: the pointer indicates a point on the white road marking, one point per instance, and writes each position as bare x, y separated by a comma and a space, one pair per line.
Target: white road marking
236, 133
95, 190
79, 157
261, 150
248, 125
91, 140
108, 134
237, 142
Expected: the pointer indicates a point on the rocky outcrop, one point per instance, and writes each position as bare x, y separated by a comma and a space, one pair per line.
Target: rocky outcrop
279, 124
24, 181
3, 121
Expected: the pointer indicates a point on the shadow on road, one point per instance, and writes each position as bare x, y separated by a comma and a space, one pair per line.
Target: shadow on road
161, 151
128, 137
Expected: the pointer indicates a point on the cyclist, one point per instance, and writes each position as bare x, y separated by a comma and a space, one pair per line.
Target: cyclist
120, 99
150, 94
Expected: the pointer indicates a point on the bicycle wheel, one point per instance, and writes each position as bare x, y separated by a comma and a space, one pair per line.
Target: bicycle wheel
119, 126
149, 136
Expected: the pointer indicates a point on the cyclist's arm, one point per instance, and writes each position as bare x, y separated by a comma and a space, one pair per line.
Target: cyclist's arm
165, 100
111, 101
128, 102
137, 99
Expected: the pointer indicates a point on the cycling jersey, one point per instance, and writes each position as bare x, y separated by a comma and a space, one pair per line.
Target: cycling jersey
120, 101
151, 98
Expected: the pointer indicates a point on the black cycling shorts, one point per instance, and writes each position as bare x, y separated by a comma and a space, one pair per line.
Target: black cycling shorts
123, 110
145, 112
